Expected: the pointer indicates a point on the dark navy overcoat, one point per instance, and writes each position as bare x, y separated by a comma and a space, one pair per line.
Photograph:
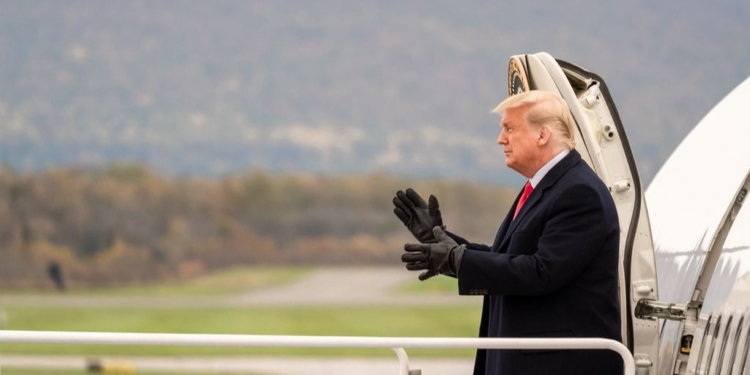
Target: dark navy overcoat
551, 272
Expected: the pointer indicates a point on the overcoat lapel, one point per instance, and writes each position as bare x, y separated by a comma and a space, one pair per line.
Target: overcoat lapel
537, 194
504, 226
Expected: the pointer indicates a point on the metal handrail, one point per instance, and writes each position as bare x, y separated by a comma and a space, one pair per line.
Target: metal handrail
397, 344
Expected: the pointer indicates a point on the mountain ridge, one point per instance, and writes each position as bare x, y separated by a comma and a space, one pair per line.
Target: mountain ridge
336, 87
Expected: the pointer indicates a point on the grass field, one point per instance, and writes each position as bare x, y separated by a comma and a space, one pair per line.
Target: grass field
399, 321
440, 285
459, 321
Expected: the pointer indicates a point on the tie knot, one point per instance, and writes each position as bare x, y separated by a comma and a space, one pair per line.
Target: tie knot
527, 189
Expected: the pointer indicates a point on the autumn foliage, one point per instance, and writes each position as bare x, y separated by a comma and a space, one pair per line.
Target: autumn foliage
126, 224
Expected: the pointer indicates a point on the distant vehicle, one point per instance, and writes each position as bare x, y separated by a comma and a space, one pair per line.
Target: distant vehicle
694, 317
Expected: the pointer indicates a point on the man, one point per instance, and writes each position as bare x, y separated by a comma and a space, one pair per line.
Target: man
552, 270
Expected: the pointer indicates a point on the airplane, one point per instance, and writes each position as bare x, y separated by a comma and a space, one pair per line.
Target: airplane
684, 277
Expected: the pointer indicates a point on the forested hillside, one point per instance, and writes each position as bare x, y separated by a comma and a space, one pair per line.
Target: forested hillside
208, 88
126, 224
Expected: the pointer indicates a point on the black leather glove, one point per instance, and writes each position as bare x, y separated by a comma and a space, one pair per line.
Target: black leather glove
417, 215
440, 258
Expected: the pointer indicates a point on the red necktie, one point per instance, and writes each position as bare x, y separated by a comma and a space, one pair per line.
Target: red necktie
526, 192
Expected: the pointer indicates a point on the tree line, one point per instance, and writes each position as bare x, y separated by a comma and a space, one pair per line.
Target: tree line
126, 224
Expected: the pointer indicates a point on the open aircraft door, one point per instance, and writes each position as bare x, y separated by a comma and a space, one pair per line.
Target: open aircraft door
601, 141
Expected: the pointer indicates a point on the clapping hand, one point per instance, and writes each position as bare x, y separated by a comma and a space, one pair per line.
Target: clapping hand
439, 258
418, 216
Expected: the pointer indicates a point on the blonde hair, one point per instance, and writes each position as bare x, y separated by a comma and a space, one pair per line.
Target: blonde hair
544, 108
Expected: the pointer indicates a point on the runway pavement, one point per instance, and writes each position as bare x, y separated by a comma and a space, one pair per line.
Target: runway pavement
350, 286
335, 286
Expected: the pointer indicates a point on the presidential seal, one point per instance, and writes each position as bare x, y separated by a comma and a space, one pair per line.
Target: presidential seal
517, 80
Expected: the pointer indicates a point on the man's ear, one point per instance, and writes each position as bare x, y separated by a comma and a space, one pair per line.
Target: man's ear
544, 136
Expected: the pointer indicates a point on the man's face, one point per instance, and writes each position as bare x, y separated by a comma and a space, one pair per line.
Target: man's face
519, 142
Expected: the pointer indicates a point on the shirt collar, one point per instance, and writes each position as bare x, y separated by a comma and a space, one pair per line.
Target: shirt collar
539, 175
